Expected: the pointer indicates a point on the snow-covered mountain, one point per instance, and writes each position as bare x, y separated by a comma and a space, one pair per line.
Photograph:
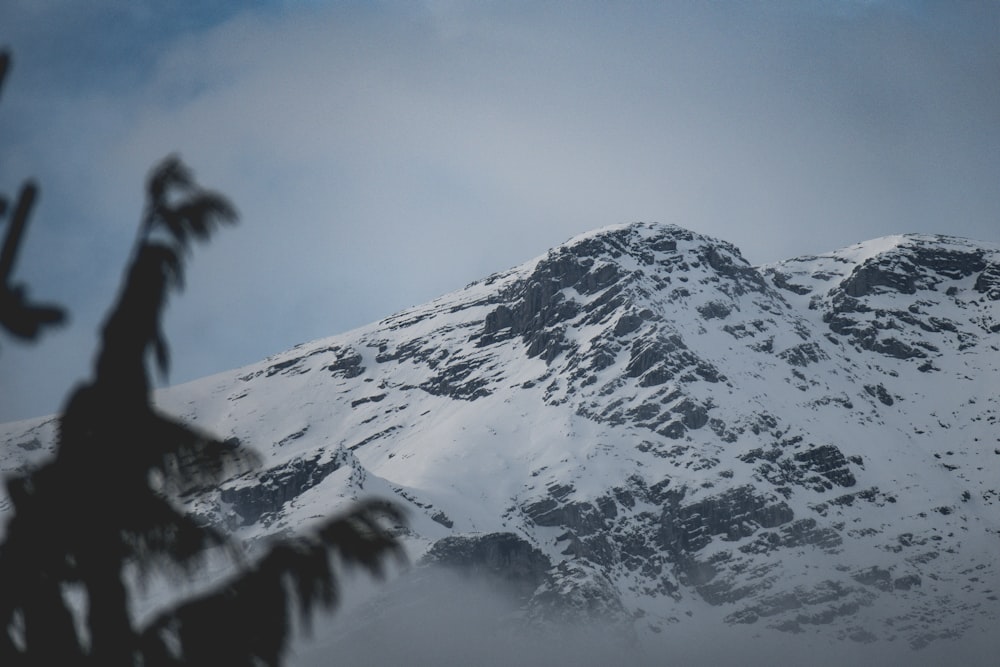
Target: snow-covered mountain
641, 428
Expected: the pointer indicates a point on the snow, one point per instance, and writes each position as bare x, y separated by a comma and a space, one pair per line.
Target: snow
542, 425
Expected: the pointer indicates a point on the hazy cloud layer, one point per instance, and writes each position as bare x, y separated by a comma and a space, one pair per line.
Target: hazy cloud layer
434, 618
384, 153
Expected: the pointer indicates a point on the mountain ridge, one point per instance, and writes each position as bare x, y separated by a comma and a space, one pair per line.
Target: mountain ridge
808, 446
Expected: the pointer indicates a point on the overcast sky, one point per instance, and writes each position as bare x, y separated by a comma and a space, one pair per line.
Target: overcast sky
384, 153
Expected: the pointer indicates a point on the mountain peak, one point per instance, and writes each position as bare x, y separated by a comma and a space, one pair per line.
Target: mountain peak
663, 431
645, 242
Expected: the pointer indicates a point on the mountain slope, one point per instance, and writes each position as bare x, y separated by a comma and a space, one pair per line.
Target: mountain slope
657, 434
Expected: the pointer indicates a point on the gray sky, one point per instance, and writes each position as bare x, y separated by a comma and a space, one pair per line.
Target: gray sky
383, 153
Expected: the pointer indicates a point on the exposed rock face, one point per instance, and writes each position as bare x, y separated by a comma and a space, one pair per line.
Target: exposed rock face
500, 556
571, 591
640, 426
857, 308
577, 591
259, 497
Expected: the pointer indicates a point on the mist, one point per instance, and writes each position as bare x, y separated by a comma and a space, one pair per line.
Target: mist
434, 617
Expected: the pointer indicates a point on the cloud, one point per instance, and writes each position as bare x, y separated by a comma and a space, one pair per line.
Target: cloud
383, 154
437, 617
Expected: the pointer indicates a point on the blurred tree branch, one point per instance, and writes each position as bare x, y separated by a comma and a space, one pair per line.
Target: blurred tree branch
109, 499
20, 317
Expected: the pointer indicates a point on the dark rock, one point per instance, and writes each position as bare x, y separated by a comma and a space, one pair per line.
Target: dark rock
644, 412
347, 365
780, 280
828, 461
876, 577
862, 636
663, 245
804, 354
607, 506
577, 592
694, 416
879, 391
252, 498
867, 336
714, 310
458, 379
30, 445
988, 282
804, 532
876, 272
504, 557
674, 430
290, 437
604, 306
833, 599
727, 262
292, 366
647, 353
273, 369
735, 514
442, 518
375, 436
952, 264
367, 399
582, 517
627, 323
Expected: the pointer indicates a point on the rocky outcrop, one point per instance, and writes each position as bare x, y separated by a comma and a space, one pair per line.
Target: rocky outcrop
260, 497
501, 557
732, 515
577, 592
640, 424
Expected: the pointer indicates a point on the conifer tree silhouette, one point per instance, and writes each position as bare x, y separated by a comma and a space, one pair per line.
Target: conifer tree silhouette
107, 501
17, 315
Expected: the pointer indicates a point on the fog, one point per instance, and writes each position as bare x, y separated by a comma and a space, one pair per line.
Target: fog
432, 617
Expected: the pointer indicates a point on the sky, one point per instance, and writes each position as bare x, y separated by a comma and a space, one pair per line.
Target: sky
382, 153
